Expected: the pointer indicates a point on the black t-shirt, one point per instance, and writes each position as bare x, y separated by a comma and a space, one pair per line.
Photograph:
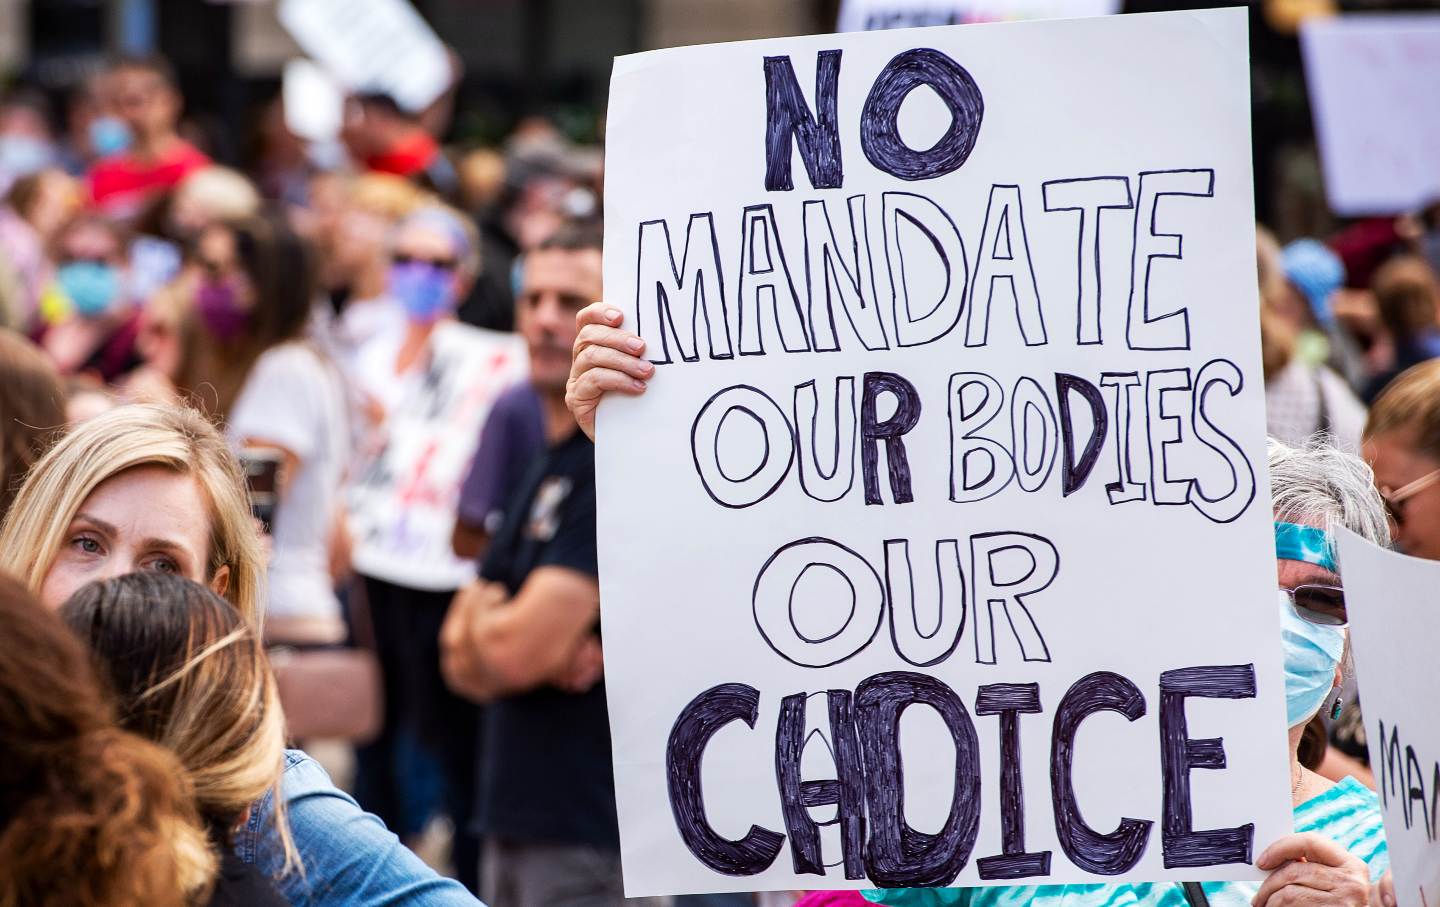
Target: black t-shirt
545, 773
239, 884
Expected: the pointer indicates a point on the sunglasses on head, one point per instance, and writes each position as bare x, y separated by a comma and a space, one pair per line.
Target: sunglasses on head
1319, 604
443, 264
1395, 500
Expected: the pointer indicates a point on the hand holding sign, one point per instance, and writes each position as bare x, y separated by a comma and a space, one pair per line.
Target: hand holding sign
1311, 870
606, 359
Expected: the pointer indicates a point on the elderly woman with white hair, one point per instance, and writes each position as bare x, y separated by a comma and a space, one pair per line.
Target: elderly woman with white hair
1338, 854
426, 363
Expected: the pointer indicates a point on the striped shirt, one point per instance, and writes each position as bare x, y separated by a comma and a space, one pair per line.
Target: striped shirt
1347, 813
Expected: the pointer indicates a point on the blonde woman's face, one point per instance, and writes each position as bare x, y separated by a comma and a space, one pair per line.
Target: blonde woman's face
145, 518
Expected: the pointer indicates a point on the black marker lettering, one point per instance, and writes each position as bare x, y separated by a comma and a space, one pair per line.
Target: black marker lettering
706, 714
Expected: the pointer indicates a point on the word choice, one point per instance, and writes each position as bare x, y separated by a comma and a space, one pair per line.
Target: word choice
866, 792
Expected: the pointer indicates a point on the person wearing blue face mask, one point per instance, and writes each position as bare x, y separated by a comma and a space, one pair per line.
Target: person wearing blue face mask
1338, 855
92, 321
427, 362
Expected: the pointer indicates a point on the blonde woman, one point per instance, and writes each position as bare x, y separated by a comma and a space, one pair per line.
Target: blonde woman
136, 488
190, 675
155, 488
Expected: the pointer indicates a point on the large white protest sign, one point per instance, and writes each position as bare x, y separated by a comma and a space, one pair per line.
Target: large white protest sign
1394, 631
1377, 114
958, 406
870, 15
403, 499
372, 45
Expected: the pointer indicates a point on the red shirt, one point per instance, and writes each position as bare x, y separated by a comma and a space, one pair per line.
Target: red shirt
407, 157
120, 185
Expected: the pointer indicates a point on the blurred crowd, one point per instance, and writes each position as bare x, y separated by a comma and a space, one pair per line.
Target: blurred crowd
362, 332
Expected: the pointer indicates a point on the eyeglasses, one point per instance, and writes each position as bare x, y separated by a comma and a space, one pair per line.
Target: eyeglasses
443, 264
1394, 499
1319, 604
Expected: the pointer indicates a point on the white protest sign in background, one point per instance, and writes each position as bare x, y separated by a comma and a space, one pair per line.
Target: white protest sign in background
872, 15
406, 489
373, 45
1394, 633
1377, 114
958, 407
314, 102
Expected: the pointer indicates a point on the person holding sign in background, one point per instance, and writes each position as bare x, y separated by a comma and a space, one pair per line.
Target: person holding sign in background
1339, 848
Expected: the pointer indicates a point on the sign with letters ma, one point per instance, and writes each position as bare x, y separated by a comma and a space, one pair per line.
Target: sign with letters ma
939, 551
1394, 629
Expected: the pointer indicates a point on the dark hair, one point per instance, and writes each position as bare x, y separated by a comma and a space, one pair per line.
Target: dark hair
31, 99
282, 267
89, 815
1313, 744
1407, 294
191, 675
84, 219
23, 193
576, 236
32, 410
153, 64
383, 102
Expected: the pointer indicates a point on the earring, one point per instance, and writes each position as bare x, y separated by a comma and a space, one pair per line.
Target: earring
1335, 709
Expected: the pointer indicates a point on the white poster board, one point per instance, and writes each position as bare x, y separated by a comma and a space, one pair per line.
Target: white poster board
1377, 114
314, 102
849, 336
372, 45
406, 486
1394, 612
873, 15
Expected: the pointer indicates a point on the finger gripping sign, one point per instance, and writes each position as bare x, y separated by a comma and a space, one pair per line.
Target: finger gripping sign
938, 551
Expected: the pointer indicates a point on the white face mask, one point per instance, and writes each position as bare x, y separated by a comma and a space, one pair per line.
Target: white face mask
1312, 653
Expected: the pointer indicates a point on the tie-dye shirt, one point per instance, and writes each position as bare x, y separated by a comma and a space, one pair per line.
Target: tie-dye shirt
1347, 813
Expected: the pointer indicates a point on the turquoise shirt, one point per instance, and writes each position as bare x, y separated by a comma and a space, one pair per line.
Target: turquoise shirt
1347, 813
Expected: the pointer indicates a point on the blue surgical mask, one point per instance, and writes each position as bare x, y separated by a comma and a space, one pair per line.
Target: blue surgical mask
22, 155
109, 135
426, 291
1312, 653
92, 286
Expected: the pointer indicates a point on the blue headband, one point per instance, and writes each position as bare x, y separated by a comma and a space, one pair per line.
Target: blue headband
1294, 542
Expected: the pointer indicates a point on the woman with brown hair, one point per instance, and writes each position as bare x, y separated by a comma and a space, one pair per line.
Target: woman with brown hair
90, 815
249, 285
191, 675
32, 408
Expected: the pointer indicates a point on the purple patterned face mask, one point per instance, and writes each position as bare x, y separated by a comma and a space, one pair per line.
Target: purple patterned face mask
220, 311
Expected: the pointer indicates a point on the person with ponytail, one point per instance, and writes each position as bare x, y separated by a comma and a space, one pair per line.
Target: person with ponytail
90, 815
191, 675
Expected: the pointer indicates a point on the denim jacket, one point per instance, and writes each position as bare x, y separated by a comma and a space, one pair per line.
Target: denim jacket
351, 859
